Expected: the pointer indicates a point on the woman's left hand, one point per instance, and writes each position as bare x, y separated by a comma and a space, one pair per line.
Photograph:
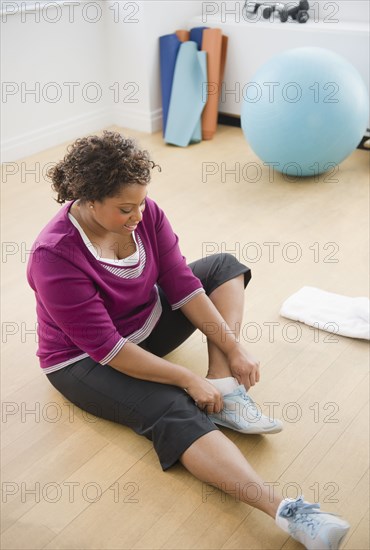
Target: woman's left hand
244, 367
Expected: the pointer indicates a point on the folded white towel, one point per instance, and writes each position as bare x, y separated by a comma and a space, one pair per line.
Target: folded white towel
331, 312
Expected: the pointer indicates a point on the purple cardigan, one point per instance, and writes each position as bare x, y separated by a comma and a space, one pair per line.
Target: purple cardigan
87, 307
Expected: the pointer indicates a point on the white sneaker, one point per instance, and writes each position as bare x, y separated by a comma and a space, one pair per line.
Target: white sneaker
241, 414
315, 529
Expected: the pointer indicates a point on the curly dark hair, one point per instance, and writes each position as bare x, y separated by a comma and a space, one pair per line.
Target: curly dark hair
96, 167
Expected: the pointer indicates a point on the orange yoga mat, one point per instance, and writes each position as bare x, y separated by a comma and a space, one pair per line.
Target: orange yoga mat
216, 47
225, 40
183, 35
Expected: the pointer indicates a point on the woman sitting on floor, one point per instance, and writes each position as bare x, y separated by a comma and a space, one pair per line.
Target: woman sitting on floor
114, 295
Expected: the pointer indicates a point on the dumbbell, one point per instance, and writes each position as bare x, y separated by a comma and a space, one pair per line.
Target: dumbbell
252, 7
298, 13
269, 10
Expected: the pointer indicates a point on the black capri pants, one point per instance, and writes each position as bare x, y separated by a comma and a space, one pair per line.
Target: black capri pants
163, 413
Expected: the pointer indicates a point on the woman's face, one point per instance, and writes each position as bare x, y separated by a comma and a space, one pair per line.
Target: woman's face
122, 213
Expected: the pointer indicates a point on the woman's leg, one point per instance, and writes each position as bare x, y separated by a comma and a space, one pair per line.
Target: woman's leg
229, 300
223, 279
168, 417
214, 459
163, 413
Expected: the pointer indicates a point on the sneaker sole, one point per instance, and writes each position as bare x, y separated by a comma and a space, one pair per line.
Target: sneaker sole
335, 543
251, 431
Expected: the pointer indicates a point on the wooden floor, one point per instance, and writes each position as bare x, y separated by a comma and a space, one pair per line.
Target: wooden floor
71, 481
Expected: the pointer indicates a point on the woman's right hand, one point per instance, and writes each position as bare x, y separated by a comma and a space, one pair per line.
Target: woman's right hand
205, 395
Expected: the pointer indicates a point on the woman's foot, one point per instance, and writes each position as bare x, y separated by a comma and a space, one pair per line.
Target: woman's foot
315, 529
240, 412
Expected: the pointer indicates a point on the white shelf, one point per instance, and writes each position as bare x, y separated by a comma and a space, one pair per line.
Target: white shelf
222, 20
252, 43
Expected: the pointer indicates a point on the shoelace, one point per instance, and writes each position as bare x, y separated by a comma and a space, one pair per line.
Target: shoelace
249, 400
299, 506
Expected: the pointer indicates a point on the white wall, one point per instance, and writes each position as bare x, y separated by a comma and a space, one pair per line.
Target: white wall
113, 48
40, 55
116, 51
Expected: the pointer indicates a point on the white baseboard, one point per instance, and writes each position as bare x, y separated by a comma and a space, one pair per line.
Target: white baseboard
143, 121
157, 120
43, 138
31, 143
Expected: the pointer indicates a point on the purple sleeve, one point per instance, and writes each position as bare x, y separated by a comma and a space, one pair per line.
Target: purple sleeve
73, 303
175, 277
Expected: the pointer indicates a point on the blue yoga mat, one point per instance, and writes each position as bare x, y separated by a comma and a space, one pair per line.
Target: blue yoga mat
197, 134
186, 104
196, 35
168, 49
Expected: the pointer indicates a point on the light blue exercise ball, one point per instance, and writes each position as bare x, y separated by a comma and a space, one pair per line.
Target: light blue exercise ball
304, 111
